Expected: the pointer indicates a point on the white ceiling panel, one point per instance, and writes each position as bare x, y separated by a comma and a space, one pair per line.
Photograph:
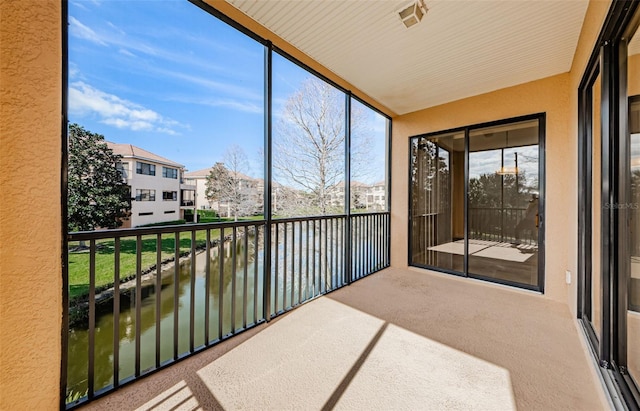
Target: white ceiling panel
460, 49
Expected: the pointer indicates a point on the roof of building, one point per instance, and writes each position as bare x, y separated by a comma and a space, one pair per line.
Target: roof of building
129, 150
203, 173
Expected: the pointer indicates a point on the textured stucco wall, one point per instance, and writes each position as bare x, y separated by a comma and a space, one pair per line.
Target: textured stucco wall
30, 222
558, 97
550, 95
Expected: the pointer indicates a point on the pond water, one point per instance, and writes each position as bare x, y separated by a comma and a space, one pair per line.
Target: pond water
104, 354
303, 271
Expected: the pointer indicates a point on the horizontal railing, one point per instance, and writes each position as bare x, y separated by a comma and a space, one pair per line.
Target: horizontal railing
512, 225
144, 298
503, 224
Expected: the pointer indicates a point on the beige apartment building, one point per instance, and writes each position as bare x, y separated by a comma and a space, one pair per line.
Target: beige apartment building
363, 196
251, 187
158, 190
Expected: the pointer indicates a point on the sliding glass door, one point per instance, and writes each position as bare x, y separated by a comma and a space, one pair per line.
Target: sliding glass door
592, 218
609, 201
477, 201
631, 358
504, 202
437, 194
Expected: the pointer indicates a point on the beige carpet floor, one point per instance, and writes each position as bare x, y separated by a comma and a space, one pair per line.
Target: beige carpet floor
399, 339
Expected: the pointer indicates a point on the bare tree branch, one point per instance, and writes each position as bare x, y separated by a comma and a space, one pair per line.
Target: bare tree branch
309, 145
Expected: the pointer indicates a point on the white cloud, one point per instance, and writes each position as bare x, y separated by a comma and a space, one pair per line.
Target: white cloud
166, 131
79, 30
217, 86
79, 5
126, 52
116, 28
234, 104
114, 111
237, 105
74, 72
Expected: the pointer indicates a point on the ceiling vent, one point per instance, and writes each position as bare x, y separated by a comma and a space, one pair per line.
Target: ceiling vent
412, 13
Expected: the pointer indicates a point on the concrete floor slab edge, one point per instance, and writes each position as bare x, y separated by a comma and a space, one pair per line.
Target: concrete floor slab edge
477, 281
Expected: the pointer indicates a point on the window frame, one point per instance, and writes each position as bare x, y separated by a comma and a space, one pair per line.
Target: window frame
165, 172
174, 195
150, 193
609, 56
150, 168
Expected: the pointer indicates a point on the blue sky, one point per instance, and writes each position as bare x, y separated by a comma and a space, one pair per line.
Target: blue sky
172, 79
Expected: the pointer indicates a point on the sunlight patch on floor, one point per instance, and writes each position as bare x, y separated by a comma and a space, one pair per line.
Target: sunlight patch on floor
296, 363
406, 370
326, 352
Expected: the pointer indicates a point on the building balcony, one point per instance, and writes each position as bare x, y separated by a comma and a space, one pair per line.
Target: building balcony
398, 339
189, 187
387, 338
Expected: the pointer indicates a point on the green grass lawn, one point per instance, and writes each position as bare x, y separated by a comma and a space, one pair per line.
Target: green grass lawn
105, 249
105, 264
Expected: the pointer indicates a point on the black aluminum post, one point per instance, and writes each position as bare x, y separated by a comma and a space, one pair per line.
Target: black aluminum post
607, 242
347, 188
64, 332
207, 287
245, 255
92, 319
176, 294
138, 342
268, 77
234, 239
465, 263
158, 298
192, 291
116, 313
387, 237
221, 286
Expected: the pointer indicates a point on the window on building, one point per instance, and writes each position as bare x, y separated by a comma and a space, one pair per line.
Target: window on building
169, 172
170, 212
145, 168
145, 195
170, 195
146, 213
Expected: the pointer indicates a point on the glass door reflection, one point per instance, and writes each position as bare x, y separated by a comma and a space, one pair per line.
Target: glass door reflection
633, 284
437, 208
503, 203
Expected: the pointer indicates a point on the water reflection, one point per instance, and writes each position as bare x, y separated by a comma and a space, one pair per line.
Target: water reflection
309, 260
104, 354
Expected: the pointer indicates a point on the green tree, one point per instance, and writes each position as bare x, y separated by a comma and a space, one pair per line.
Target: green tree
98, 197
